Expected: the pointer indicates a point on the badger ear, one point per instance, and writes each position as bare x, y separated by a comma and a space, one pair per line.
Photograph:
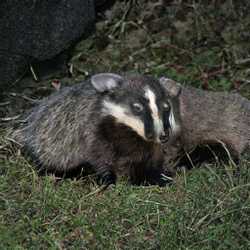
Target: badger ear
173, 88
106, 81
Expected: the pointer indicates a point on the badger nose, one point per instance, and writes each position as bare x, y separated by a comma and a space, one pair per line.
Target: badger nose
163, 138
150, 136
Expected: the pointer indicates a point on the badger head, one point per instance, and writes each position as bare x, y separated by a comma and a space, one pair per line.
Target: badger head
138, 102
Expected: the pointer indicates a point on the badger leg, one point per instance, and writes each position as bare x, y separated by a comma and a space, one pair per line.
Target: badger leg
106, 178
156, 176
150, 175
102, 162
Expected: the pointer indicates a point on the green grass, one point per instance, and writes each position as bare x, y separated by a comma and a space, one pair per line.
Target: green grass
207, 208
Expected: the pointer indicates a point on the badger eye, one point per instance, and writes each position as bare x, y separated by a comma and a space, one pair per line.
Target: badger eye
137, 107
166, 106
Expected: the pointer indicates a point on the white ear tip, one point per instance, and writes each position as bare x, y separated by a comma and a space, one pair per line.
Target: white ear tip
172, 87
164, 79
106, 75
105, 81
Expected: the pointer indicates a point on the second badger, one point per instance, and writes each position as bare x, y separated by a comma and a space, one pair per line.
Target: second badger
112, 123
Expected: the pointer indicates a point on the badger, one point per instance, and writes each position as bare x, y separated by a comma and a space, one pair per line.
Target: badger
113, 124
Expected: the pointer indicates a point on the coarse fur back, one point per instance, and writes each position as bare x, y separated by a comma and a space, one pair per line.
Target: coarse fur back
218, 121
113, 123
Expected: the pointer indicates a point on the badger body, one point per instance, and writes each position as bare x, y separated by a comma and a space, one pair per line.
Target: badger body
112, 123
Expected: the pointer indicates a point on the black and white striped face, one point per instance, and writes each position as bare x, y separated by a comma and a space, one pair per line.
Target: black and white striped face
139, 103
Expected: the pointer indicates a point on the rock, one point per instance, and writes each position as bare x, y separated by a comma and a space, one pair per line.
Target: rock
101, 5
34, 30
12, 67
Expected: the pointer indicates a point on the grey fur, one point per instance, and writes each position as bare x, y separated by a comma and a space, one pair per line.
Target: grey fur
69, 130
105, 81
208, 117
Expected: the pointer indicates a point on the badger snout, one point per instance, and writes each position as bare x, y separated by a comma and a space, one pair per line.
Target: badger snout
164, 137
150, 136
161, 138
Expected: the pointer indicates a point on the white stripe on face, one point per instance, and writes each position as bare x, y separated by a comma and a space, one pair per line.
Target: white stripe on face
172, 121
175, 128
158, 124
122, 116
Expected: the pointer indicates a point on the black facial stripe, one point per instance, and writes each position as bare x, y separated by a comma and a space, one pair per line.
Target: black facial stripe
148, 122
165, 118
128, 99
164, 114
